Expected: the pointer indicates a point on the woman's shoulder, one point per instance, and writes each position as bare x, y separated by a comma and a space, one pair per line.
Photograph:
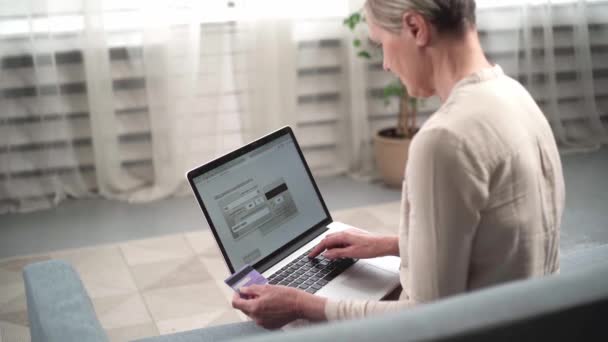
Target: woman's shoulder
489, 119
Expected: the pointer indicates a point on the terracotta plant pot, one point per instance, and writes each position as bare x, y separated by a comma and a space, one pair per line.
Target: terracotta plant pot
391, 156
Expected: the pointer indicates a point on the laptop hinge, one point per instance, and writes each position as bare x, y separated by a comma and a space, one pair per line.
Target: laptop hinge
276, 257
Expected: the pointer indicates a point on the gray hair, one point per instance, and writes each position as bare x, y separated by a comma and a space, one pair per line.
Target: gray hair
452, 16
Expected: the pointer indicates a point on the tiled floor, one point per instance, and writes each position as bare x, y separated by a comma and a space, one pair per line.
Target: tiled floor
154, 286
89, 222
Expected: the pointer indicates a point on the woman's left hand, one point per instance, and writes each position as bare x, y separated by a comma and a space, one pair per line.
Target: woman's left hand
273, 306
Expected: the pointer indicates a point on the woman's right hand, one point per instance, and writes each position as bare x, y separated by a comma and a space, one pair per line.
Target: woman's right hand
355, 243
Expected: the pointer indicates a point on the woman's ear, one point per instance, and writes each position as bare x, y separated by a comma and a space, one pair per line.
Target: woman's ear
417, 27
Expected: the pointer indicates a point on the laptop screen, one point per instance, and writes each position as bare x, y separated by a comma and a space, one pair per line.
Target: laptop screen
260, 201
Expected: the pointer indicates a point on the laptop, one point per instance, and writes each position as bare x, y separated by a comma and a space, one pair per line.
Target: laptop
265, 210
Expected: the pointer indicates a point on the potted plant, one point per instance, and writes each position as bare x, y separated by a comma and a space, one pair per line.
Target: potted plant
390, 144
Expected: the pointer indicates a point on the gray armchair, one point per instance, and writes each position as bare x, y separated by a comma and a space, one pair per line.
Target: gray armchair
569, 306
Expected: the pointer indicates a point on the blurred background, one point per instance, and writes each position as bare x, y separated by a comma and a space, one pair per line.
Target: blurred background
105, 104
118, 99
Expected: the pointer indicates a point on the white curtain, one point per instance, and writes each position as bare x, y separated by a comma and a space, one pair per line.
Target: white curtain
195, 80
270, 94
121, 98
551, 47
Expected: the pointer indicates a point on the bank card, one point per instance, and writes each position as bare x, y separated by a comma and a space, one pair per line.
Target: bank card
244, 277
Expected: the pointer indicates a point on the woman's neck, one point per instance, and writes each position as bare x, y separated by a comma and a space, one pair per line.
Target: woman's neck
455, 59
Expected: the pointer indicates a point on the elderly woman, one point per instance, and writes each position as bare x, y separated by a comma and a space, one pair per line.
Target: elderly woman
483, 193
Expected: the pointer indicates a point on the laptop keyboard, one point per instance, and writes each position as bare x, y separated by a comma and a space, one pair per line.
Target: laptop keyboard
310, 275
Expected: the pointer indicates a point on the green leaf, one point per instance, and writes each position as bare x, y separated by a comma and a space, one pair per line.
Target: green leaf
357, 42
364, 54
394, 89
352, 20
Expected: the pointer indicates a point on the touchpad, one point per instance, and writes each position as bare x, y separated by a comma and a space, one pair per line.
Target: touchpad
362, 281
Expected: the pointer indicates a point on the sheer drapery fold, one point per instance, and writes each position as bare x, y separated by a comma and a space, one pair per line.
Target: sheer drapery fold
553, 48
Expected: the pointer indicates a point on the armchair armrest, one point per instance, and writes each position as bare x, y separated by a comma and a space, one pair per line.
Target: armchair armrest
58, 306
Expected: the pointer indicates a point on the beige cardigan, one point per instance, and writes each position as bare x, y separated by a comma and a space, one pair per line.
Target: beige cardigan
482, 199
